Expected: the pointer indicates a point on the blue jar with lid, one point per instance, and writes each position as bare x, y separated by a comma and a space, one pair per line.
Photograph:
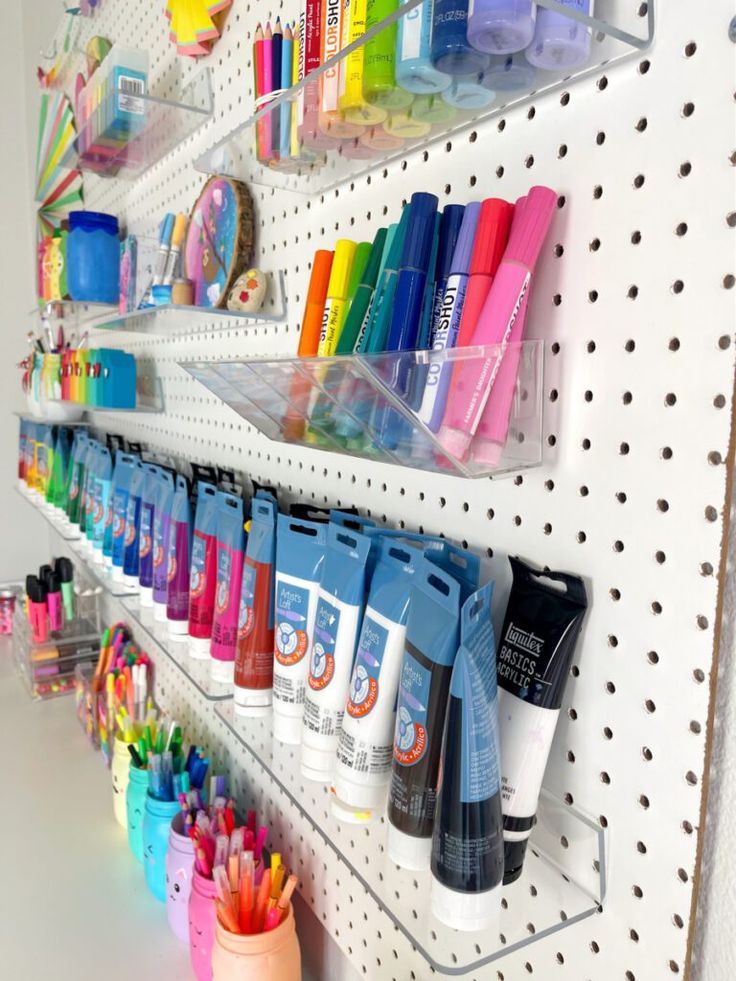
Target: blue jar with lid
93, 257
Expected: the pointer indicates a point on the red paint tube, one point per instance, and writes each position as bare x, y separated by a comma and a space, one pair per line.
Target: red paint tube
230, 548
203, 577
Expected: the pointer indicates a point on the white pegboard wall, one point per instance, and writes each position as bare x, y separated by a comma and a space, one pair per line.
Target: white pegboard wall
635, 299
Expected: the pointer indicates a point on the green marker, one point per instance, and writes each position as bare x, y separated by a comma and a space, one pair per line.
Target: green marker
376, 334
359, 312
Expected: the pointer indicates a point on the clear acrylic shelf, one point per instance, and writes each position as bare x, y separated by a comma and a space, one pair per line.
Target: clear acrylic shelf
165, 123
563, 880
369, 406
57, 520
197, 671
149, 397
172, 317
71, 312
368, 130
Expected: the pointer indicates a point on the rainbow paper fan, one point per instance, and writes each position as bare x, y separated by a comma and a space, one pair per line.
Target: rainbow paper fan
195, 25
58, 189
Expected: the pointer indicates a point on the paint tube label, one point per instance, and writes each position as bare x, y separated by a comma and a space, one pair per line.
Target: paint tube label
322, 660
227, 602
331, 658
476, 686
527, 731
296, 606
410, 29
246, 613
410, 735
146, 546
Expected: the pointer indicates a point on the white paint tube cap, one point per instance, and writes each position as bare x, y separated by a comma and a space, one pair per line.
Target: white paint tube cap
131, 582
199, 647
179, 629
222, 671
467, 910
146, 596
117, 573
350, 814
356, 795
287, 728
251, 702
317, 763
407, 851
159, 612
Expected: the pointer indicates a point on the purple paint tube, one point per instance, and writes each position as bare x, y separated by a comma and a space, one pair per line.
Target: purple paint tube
180, 550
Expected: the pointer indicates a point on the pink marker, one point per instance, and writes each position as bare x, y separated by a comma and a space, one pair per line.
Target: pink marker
472, 380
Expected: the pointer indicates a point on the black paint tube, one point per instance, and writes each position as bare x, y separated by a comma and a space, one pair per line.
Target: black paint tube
543, 619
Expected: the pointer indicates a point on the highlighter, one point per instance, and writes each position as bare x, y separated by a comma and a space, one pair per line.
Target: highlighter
448, 325
379, 64
494, 223
315, 305
359, 312
336, 305
473, 380
53, 600
37, 609
65, 572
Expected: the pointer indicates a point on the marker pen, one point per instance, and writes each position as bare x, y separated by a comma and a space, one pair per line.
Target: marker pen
412, 278
64, 571
414, 70
445, 335
450, 224
360, 308
177, 240
53, 600
164, 244
490, 242
37, 609
314, 307
376, 334
336, 305
418, 372
472, 380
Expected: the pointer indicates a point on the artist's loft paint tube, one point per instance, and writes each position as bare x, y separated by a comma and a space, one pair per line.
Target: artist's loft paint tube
432, 635
102, 500
125, 466
365, 746
107, 527
230, 547
145, 551
131, 554
254, 656
161, 530
467, 843
178, 561
336, 626
76, 478
300, 555
203, 575
543, 619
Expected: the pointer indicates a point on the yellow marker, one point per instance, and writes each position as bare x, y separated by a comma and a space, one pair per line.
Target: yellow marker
336, 306
351, 102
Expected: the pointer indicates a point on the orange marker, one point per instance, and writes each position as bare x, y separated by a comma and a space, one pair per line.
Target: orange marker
315, 306
259, 914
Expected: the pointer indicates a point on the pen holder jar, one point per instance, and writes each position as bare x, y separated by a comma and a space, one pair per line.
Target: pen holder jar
120, 773
202, 919
270, 956
179, 870
135, 803
157, 817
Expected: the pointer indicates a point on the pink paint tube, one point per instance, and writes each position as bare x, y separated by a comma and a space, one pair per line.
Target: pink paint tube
180, 550
473, 379
230, 549
203, 576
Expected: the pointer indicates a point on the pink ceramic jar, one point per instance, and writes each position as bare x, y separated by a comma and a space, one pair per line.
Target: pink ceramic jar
179, 871
202, 919
270, 956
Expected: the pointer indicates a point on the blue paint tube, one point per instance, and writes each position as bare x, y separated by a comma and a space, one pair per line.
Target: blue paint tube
178, 560
432, 635
300, 555
131, 556
467, 843
125, 464
101, 500
336, 627
365, 746
161, 525
145, 551
203, 576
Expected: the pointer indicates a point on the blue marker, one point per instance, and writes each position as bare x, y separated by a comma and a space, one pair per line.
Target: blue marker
448, 326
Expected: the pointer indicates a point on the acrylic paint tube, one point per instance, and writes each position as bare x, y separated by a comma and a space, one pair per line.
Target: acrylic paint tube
230, 546
467, 843
89, 455
102, 500
254, 658
365, 746
543, 619
124, 469
300, 555
131, 554
203, 578
336, 626
432, 634
107, 532
145, 551
161, 531
76, 475
179, 553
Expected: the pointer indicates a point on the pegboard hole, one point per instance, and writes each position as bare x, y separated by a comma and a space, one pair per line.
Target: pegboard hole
607, 732
688, 109
691, 778
682, 875
647, 754
635, 238
702, 622
644, 801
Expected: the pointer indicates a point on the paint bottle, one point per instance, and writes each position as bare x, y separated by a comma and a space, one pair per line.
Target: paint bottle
365, 746
379, 63
178, 561
450, 51
561, 43
300, 555
145, 551
336, 625
125, 466
432, 634
467, 843
161, 530
254, 657
203, 577
543, 620
501, 26
230, 546
414, 70
131, 556
469, 92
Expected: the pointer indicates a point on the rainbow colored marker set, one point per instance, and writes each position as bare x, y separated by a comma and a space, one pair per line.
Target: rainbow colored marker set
432, 63
437, 281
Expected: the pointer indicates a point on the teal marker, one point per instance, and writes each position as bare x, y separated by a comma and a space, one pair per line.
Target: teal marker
377, 332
